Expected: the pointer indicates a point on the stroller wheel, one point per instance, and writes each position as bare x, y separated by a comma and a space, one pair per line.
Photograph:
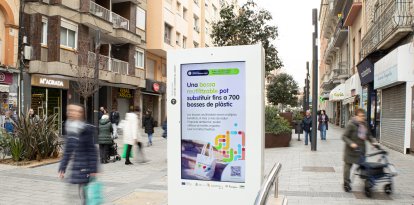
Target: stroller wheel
388, 189
368, 187
118, 158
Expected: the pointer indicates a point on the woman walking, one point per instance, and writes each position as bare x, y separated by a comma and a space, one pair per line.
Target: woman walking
323, 124
104, 137
149, 126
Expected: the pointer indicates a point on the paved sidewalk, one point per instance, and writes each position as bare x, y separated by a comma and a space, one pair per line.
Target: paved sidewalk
309, 177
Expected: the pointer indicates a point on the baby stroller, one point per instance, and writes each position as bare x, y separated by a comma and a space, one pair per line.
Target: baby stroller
113, 152
376, 172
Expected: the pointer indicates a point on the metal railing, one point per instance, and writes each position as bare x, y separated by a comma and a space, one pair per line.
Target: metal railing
396, 14
119, 66
119, 21
99, 11
103, 61
271, 180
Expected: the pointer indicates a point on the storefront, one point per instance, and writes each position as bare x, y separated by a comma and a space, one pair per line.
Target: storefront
369, 100
394, 76
352, 96
8, 93
49, 96
123, 100
153, 97
336, 96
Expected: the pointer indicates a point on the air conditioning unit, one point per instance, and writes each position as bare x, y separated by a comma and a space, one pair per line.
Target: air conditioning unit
28, 52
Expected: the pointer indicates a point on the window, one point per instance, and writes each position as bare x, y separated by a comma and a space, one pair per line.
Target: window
195, 44
139, 59
196, 22
184, 42
178, 7
185, 13
141, 18
167, 34
44, 31
68, 34
178, 39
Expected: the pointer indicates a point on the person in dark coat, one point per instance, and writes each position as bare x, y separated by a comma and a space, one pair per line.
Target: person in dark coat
164, 127
355, 135
80, 148
323, 124
102, 111
149, 126
104, 138
307, 126
114, 118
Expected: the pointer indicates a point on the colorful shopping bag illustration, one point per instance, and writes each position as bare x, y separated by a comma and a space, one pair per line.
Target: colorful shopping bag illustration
205, 165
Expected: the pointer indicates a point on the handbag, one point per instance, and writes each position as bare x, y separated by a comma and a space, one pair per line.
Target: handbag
124, 151
205, 165
93, 192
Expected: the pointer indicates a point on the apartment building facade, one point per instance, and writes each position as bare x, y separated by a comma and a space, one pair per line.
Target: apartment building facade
63, 35
174, 24
9, 77
380, 66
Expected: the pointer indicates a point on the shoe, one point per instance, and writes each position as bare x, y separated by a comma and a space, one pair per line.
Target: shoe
306, 144
128, 163
347, 187
145, 161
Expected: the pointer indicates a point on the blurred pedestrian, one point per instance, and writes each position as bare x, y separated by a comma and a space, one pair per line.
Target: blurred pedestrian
355, 135
9, 122
101, 112
115, 122
104, 138
33, 117
149, 126
323, 124
132, 134
164, 127
307, 126
79, 148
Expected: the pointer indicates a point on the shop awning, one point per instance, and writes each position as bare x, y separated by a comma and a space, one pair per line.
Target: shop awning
338, 93
348, 100
4, 88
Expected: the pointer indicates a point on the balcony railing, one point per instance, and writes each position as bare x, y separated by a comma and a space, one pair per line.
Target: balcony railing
108, 64
107, 15
119, 21
119, 66
100, 11
395, 19
103, 61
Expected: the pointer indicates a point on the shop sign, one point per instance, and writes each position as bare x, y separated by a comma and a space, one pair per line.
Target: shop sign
6, 78
49, 82
366, 71
156, 87
125, 93
338, 93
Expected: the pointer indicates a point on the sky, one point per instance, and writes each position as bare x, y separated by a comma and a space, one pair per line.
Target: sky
294, 44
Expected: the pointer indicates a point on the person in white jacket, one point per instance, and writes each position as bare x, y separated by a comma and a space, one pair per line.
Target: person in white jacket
132, 134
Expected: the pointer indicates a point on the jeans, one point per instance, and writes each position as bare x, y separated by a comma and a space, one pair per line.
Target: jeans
150, 138
114, 131
323, 131
308, 134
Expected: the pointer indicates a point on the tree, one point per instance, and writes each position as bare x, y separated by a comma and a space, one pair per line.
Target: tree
248, 26
283, 89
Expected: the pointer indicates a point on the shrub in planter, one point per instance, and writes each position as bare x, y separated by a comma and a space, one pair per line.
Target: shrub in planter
16, 149
4, 144
278, 129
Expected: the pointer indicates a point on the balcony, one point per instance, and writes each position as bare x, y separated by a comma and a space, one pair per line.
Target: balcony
394, 23
353, 13
341, 33
107, 15
108, 64
340, 74
330, 52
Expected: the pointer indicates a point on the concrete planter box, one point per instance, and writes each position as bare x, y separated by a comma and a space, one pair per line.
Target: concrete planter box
277, 140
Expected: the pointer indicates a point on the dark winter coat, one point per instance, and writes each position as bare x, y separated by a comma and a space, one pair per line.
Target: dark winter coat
105, 130
350, 136
82, 150
148, 124
114, 117
307, 123
164, 127
320, 122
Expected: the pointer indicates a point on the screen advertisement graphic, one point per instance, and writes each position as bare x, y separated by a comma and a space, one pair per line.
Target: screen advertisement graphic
213, 106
